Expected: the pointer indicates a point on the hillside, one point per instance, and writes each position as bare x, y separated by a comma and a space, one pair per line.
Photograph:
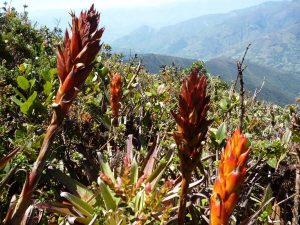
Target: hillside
280, 87
273, 28
154, 62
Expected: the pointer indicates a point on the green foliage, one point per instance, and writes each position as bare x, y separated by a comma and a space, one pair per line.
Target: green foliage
218, 136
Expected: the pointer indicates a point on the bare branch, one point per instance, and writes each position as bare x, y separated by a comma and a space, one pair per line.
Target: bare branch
241, 69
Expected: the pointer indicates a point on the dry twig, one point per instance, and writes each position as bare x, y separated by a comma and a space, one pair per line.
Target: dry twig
241, 69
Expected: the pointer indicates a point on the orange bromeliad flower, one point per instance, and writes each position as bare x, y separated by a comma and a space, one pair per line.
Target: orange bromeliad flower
232, 171
75, 58
115, 95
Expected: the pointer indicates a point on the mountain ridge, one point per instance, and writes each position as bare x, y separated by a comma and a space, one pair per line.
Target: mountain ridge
273, 28
275, 87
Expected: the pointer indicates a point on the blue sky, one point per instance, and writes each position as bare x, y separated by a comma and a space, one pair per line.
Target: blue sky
120, 17
35, 5
67, 4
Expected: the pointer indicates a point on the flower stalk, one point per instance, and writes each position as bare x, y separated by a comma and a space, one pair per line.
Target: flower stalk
232, 171
74, 64
192, 126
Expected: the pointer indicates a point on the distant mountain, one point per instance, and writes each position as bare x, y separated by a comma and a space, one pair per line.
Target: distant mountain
154, 62
119, 20
273, 28
280, 87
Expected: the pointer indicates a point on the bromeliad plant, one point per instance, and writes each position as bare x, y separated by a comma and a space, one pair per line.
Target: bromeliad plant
136, 196
138, 193
192, 126
74, 64
232, 171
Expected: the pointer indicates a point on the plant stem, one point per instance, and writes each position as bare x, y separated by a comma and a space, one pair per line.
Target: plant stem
186, 177
38, 168
242, 93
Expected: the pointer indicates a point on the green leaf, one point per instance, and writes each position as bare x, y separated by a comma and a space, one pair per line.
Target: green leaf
161, 167
104, 72
148, 106
204, 202
286, 137
59, 208
130, 76
47, 88
224, 104
268, 193
32, 97
105, 120
137, 96
221, 133
20, 134
52, 73
157, 108
296, 139
109, 200
37, 142
17, 101
272, 162
139, 201
81, 205
74, 186
25, 107
49, 99
248, 142
148, 94
20, 94
134, 171
45, 74
32, 82
23, 83
22, 68
106, 170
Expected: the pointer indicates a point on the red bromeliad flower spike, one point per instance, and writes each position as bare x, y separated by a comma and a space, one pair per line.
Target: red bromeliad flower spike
232, 171
115, 96
74, 63
192, 126
75, 58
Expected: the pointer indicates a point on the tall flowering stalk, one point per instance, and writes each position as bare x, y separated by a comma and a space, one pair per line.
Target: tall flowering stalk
232, 171
74, 63
192, 127
115, 96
